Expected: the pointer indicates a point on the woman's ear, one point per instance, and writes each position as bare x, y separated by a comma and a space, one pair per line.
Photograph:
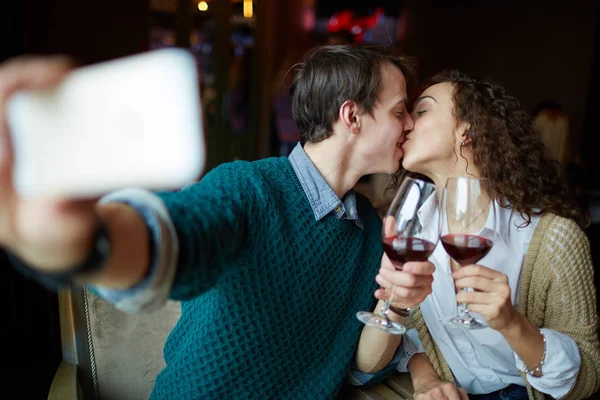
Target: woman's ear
464, 133
350, 116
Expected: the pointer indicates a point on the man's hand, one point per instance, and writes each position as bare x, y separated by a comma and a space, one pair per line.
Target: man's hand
48, 233
411, 285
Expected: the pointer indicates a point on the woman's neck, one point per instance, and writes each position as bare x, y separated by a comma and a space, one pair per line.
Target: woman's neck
456, 169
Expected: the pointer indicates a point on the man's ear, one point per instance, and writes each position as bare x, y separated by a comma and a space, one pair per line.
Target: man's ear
350, 116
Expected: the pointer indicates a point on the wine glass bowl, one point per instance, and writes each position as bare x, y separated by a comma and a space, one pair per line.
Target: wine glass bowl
466, 249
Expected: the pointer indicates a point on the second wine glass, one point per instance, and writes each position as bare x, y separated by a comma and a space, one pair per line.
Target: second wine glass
468, 209
405, 238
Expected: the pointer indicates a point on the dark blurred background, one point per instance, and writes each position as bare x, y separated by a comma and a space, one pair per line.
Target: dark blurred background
540, 50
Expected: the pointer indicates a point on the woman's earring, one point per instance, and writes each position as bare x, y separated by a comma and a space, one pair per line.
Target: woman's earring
462, 143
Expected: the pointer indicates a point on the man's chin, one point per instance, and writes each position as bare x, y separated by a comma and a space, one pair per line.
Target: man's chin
398, 155
395, 169
401, 151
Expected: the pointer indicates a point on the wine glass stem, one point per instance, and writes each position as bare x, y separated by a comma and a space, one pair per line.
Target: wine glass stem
463, 311
386, 304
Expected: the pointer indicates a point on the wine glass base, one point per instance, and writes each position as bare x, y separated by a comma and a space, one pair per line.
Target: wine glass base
383, 323
464, 323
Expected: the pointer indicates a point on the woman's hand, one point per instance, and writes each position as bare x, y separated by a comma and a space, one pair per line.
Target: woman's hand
491, 297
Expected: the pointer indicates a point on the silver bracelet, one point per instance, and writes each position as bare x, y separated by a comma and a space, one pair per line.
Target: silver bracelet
537, 368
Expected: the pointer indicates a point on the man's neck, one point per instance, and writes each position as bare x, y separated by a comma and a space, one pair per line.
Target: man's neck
333, 159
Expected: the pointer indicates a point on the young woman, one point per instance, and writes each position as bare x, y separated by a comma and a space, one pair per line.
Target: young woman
536, 288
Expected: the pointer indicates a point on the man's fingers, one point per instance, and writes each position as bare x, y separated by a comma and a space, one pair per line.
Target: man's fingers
405, 279
404, 294
33, 73
418, 293
419, 267
26, 73
22, 73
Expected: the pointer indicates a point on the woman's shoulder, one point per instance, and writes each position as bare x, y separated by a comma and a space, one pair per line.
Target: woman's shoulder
558, 258
555, 226
560, 238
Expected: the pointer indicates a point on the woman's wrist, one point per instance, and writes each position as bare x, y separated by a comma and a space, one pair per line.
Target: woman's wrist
518, 326
527, 341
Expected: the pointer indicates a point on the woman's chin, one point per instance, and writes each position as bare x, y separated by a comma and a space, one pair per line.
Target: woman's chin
411, 166
407, 164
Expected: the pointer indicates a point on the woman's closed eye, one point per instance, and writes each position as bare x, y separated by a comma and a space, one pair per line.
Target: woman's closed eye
419, 113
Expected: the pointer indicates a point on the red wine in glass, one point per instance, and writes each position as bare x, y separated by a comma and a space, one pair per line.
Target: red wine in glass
466, 249
400, 250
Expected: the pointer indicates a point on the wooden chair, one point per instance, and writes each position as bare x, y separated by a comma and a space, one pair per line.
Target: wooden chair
397, 387
111, 355
108, 354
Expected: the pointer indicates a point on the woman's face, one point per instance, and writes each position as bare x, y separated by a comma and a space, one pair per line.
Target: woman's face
432, 147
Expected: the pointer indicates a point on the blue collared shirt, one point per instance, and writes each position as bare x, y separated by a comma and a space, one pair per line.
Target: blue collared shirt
321, 196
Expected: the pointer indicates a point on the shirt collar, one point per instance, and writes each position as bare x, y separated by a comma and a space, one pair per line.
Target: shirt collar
321, 196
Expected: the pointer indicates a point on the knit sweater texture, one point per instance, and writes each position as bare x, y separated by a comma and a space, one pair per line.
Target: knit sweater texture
556, 292
268, 293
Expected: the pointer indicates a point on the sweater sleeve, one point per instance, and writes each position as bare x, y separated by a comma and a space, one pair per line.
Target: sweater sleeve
211, 219
153, 290
570, 315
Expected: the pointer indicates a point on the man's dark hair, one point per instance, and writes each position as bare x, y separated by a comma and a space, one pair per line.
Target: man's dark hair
330, 75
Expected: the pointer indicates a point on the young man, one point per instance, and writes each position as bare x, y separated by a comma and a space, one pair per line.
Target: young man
271, 259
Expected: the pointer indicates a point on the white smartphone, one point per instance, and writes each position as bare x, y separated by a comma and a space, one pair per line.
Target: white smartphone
134, 121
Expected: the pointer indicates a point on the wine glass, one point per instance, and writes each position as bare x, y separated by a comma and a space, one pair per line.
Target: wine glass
467, 207
405, 238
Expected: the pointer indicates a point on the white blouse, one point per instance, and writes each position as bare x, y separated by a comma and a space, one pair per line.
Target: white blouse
482, 360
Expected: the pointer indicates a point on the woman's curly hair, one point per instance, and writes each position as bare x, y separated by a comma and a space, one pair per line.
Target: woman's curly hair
506, 149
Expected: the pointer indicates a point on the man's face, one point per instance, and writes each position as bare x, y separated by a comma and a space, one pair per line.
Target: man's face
383, 132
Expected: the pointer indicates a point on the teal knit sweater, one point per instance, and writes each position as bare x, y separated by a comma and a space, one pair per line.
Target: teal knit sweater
269, 294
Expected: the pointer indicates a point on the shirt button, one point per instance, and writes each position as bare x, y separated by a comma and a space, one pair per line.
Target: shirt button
464, 349
337, 209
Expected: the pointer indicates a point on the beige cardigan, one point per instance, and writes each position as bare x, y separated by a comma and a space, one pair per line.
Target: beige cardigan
556, 292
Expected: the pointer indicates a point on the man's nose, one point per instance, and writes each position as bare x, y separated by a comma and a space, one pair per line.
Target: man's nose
409, 124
